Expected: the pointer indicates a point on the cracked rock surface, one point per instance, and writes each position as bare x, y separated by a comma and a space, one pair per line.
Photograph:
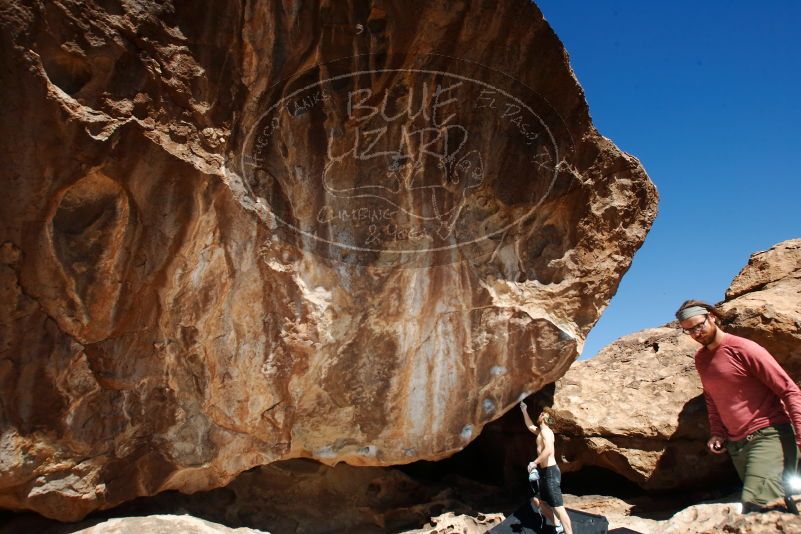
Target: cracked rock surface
255, 231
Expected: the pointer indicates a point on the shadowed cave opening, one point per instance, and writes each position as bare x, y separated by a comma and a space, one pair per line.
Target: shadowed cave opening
488, 476
474, 466
499, 455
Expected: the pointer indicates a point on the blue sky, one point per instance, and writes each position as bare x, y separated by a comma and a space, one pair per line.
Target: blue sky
707, 95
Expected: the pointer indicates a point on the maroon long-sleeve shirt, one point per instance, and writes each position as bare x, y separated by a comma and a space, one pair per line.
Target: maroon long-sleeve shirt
745, 388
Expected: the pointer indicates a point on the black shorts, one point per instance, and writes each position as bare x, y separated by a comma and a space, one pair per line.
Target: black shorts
550, 490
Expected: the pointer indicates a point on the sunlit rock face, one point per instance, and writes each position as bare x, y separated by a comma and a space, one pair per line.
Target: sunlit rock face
637, 408
763, 303
240, 232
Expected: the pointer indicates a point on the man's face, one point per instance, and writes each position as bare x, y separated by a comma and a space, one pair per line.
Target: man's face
540, 418
701, 328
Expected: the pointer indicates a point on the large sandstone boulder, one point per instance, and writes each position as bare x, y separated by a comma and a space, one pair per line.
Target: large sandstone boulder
163, 524
238, 232
764, 303
636, 408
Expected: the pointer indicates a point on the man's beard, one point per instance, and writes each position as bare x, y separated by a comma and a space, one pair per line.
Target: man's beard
710, 337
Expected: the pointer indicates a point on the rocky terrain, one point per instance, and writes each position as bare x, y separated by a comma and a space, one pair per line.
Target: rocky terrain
636, 410
256, 255
706, 518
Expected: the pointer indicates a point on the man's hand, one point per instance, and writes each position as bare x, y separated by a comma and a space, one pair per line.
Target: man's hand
527, 420
532, 466
715, 445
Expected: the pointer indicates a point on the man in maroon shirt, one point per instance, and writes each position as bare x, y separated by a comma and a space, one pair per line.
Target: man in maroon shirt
753, 406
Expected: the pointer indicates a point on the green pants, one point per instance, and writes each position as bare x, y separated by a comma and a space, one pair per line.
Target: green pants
763, 460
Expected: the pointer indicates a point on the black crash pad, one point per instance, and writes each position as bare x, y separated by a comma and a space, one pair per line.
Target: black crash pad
526, 521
